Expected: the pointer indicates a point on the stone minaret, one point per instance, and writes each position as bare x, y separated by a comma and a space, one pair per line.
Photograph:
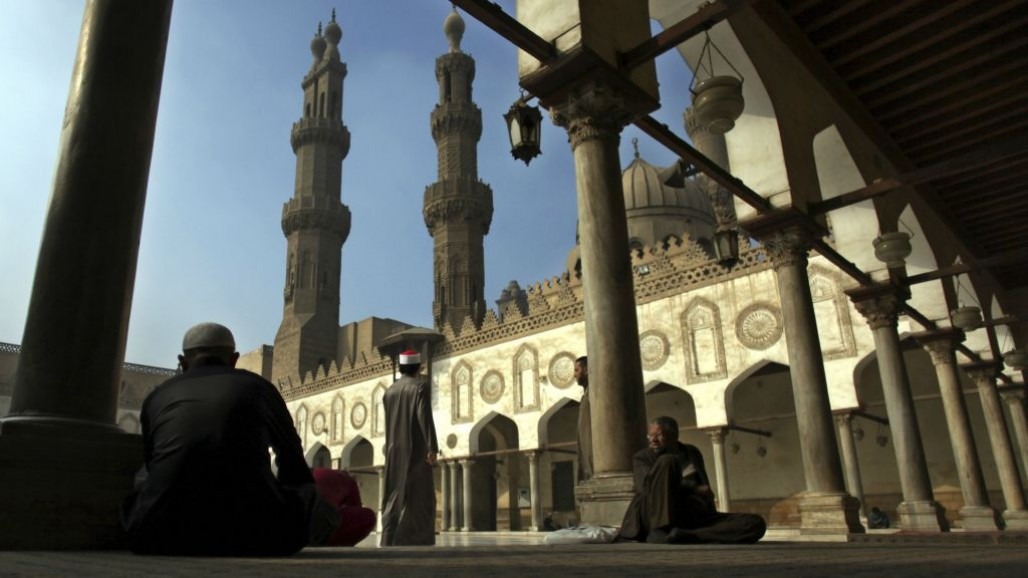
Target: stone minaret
458, 207
315, 221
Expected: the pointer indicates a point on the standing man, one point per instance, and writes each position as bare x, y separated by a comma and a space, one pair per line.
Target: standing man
210, 489
673, 502
585, 429
408, 518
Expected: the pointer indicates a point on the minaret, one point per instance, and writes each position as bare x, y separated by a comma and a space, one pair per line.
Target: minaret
315, 221
458, 207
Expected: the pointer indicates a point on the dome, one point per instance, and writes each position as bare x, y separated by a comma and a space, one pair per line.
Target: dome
645, 191
318, 45
333, 33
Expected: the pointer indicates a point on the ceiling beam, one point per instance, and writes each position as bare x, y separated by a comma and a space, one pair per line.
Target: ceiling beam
1013, 257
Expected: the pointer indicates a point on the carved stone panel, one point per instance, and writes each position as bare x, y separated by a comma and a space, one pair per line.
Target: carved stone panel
654, 348
491, 387
318, 423
759, 326
526, 379
461, 379
562, 370
358, 415
704, 342
831, 309
337, 419
378, 411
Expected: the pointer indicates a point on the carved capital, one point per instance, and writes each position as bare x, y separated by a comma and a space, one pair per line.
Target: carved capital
880, 305
844, 419
940, 344
596, 113
717, 435
788, 247
983, 373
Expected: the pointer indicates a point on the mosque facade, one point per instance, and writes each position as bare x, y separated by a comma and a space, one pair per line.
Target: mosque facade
714, 348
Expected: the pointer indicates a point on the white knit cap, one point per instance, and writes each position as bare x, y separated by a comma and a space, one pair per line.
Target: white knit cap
208, 335
410, 357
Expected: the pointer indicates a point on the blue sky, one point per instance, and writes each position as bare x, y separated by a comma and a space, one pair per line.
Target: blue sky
212, 246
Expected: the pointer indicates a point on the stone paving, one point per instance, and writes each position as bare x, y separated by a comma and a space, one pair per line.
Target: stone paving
511, 555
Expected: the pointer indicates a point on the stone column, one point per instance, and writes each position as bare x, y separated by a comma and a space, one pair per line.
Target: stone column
976, 514
455, 497
825, 508
534, 488
851, 465
381, 495
984, 375
594, 117
1015, 403
444, 487
466, 465
880, 305
717, 440
66, 463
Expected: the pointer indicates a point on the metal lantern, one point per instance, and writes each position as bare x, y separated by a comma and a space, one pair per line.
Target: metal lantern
524, 125
966, 318
892, 248
1016, 359
726, 246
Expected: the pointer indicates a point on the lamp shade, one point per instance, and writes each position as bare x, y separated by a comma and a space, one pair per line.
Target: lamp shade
1016, 359
892, 248
966, 318
524, 124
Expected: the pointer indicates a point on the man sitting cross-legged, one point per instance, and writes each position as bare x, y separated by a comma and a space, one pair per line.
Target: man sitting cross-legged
673, 503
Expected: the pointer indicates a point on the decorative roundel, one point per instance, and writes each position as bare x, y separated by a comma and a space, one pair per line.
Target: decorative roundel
451, 441
562, 370
759, 326
491, 387
318, 423
654, 349
358, 415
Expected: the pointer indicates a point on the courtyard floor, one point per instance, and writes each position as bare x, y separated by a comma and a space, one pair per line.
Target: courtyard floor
515, 554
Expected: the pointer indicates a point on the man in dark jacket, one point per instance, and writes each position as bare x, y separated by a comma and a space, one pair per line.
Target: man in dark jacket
673, 502
210, 489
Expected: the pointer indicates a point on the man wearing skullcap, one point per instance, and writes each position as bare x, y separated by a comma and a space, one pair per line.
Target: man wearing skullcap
210, 489
408, 516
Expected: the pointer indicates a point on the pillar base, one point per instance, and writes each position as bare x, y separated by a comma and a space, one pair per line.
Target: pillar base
922, 516
63, 486
829, 514
979, 519
603, 500
1016, 519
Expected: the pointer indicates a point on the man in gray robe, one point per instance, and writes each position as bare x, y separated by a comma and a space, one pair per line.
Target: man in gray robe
408, 517
673, 502
585, 429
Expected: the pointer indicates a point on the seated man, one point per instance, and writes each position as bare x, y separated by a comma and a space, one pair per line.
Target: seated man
673, 503
342, 493
210, 489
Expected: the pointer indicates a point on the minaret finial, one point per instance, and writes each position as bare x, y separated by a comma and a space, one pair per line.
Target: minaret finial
635, 145
319, 28
453, 27
333, 15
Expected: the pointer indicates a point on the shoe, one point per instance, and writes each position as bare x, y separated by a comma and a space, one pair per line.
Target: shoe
680, 536
657, 537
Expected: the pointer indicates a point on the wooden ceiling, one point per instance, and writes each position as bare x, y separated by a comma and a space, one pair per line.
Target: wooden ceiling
941, 79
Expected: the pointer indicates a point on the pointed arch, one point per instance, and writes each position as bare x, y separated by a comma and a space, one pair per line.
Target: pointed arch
543, 426
318, 456
526, 379
703, 340
500, 426
348, 453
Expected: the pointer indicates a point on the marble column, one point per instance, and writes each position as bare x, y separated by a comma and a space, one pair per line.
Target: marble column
455, 497
466, 465
880, 305
66, 463
534, 488
717, 440
984, 375
825, 508
444, 488
976, 513
594, 117
1015, 403
850, 462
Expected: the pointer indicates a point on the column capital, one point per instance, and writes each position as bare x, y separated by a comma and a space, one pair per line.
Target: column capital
843, 417
787, 235
982, 371
717, 434
465, 462
940, 343
880, 304
1013, 395
594, 112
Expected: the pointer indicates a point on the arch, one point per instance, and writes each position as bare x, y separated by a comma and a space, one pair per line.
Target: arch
703, 340
488, 423
928, 298
378, 410
356, 452
462, 378
832, 313
560, 416
526, 379
318, 456
496, 473
764, 366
